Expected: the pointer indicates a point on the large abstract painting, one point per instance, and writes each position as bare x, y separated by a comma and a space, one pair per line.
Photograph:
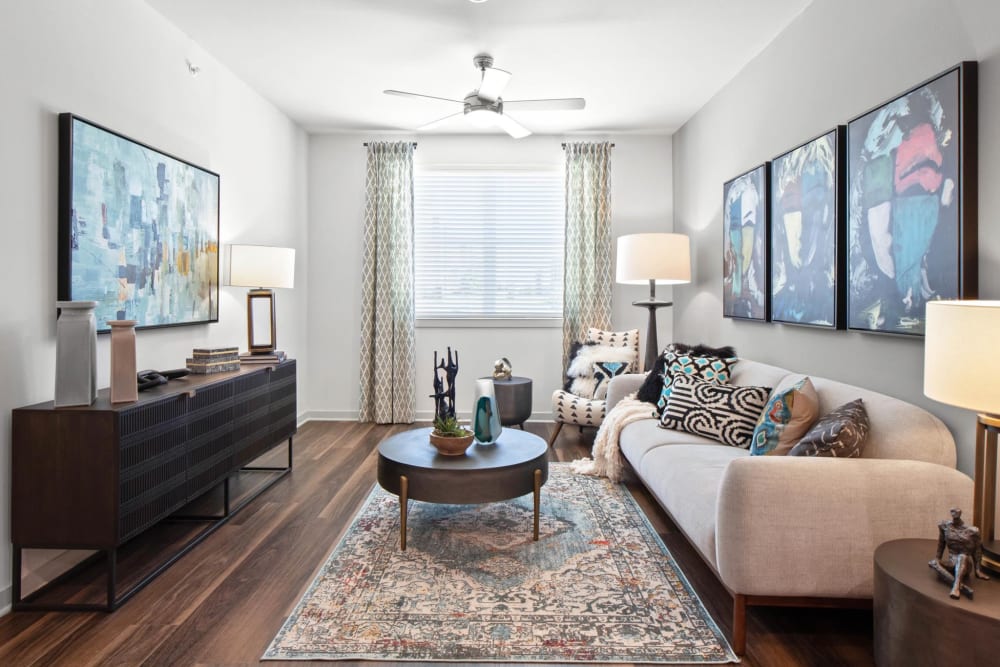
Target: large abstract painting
138, 229
912, 204
805, 226
745, 292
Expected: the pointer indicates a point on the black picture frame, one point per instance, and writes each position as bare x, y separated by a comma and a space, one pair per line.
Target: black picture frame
912, 203
746, 288
138, 229
806, 229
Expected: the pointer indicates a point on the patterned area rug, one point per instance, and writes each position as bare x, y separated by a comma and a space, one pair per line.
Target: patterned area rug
598, 586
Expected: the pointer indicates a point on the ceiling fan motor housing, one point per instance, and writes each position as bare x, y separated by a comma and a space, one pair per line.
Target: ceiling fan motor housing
482, 61
474, 103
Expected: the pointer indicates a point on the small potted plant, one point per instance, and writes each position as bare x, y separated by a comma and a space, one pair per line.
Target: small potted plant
450, 438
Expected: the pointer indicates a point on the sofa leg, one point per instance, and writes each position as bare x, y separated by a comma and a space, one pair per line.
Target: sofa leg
739, 624
555, 433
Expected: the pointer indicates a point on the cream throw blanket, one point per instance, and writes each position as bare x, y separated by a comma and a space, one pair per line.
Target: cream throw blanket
608, 460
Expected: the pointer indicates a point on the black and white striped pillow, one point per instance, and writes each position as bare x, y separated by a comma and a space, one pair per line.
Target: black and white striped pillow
724, 412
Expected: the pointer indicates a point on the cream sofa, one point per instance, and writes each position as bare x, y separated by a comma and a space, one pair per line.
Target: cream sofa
789, 530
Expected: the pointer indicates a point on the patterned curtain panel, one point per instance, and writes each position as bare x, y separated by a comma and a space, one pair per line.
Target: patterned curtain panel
387, 345
587, 277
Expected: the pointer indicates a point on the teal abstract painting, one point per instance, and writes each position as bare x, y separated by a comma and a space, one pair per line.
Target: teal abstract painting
138, 230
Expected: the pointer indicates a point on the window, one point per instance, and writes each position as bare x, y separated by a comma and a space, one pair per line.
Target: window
488, 243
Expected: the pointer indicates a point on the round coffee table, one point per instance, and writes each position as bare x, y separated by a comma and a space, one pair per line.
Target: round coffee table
410, 467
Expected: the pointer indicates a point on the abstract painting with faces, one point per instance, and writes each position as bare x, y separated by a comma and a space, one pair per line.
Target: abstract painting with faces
744, 264
904, 212
804, 224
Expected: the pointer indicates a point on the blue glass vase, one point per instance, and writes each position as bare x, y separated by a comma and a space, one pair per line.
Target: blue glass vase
485, 415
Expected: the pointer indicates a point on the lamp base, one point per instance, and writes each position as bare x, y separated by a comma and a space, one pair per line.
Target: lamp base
984, 501
261, 330
652, 348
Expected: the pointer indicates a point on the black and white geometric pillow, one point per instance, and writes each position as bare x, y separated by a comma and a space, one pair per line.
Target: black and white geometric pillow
581, 378
604, 371
841, 432
724, 412
629, 339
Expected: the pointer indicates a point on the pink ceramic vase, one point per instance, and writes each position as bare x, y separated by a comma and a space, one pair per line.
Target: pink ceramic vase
124, 387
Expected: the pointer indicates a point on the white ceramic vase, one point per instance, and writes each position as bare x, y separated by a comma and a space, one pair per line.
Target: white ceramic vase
76, 353
124, 387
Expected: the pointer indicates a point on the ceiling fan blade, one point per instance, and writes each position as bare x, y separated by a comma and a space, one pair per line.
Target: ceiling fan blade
403, 93
511, 126
559, 104
440, 121
493, 83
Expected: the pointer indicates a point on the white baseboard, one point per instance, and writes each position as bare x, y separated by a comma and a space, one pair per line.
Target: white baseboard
5, 600
328, 416
421, 416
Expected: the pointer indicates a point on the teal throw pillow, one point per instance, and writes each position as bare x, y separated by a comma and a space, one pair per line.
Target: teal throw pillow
700, 367
789, 414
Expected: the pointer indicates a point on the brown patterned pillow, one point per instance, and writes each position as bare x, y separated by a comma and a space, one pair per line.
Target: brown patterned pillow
840, 433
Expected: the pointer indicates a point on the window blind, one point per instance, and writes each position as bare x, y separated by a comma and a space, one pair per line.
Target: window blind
488, 243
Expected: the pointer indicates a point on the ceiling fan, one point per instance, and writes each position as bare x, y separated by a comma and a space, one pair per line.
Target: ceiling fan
485, 108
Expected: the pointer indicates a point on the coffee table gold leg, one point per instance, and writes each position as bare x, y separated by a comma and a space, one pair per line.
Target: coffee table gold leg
403, 500
538, 497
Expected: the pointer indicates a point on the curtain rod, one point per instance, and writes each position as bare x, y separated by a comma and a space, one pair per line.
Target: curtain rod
564, 146
412, 143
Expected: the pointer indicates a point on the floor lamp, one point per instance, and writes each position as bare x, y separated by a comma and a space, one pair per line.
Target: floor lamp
961, 369
263, 268
656, 259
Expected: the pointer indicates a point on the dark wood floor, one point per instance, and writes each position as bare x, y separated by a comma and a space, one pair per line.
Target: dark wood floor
224, 601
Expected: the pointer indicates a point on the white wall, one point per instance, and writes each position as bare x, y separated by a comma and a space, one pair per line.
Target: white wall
120, 64
836, 60
641, 201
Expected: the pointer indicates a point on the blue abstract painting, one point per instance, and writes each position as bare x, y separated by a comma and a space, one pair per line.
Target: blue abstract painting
908, 228
804, 232
141, 230
744, 246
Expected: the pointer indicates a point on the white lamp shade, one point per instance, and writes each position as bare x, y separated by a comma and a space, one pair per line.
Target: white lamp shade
663, 258
961, 364
261, 266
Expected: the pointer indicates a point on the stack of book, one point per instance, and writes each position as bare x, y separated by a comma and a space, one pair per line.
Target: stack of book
214, 360
275, 357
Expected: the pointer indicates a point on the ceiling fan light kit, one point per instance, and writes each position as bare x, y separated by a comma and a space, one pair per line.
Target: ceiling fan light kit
484, 108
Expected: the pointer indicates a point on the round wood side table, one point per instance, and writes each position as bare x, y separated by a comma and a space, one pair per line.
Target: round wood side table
916, 623
513, 400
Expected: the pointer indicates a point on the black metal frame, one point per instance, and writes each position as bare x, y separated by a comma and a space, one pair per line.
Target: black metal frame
114, 598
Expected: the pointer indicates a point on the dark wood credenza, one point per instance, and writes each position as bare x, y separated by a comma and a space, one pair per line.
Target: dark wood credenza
95, 477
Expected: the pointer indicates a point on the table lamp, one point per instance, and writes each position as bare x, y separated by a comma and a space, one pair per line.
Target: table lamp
961, 369
262, 268
657, 259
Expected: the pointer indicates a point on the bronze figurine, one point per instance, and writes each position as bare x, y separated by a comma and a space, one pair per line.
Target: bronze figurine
501, 369
964, 557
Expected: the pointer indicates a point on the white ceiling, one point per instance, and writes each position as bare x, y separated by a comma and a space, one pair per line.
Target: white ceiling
642, 65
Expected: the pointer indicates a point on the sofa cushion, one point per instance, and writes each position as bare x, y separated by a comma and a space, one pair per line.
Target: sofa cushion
839, 433
645, 435
789, 414
727, 413
685, 479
